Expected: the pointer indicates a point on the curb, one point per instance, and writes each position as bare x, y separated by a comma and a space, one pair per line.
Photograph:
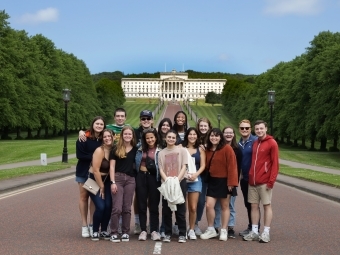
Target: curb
30, 180
333, 193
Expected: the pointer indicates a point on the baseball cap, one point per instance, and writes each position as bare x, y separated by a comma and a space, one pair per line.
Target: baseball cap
145, 113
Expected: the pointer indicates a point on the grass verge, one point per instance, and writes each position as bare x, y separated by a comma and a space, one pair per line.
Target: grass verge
310, 175
29, 170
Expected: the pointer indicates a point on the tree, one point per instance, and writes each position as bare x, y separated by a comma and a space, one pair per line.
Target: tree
212, 98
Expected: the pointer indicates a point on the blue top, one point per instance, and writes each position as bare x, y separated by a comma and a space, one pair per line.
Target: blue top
247, 148
84, 152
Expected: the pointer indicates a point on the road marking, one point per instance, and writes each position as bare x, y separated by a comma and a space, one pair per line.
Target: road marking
158, 248
37, 186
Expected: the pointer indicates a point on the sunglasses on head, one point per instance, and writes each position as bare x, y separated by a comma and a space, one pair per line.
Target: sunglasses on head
244, 128
145, 118
148, 130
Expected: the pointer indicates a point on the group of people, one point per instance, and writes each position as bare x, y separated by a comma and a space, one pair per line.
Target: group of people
188, 168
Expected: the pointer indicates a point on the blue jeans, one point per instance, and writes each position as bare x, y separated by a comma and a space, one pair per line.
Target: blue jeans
232, 217
201, 200
102, 214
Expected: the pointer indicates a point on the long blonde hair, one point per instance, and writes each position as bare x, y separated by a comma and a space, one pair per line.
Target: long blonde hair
121, 149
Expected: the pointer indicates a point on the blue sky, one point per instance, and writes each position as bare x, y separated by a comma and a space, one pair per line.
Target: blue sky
135, 36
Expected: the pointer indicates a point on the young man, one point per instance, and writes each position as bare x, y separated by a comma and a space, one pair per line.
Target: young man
246, 146
119, 117
262, 176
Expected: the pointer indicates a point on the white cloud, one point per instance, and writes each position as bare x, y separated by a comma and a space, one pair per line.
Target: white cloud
41, 16
297, 7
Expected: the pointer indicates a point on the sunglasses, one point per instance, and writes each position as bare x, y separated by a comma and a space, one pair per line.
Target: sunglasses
144, 119
244, 128
148, 130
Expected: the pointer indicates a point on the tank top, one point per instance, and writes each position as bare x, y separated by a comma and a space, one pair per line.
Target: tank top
104, 166
197, 156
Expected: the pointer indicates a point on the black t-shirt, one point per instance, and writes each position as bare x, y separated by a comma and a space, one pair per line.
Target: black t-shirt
125, 165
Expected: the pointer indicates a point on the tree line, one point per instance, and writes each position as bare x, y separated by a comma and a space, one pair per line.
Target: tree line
32, 76
307, 95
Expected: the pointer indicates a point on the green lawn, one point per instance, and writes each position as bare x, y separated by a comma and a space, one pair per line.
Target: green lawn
310, 175
12, 151
29, 170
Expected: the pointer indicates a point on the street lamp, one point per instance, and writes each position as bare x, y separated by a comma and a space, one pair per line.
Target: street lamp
271, 101
196, 116
66, 99
219, 120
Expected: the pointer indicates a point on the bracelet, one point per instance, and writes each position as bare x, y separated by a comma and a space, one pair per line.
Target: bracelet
112, 182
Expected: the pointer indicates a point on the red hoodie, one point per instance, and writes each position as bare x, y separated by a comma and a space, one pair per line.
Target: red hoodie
265, 162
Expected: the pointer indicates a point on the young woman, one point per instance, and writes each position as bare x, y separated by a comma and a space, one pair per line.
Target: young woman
163, 127
147, 182
221, 165
122, 176
203, 126
180, 124
229, 135
99, 171
172, 162
84, 152
194, 184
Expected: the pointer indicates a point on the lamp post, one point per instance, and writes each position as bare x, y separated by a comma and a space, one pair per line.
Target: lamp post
271, 101
219, 120
66, 99
196, 116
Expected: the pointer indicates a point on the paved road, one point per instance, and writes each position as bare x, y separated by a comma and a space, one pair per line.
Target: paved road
46, 221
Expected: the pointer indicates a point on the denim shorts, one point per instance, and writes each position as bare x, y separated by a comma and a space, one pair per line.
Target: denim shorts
195, 186
81, 179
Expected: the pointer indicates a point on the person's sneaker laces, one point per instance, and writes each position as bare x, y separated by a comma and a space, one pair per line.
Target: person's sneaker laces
198, 231
142, 236
155, 236
264, 237
104, 235
114, 239
167, 239
182, 239
85, 232
192, 235
209, 234
223, 235
231, 233
137, 230
245, 232
175, 230
125, 238
252, 236
95, 236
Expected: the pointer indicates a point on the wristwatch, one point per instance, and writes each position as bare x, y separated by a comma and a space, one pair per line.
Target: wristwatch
112, 182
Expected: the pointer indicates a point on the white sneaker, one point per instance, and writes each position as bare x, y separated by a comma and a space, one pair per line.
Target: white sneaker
209, 234
162, 234
264, 237
85, 232
223, 235
137, 230
91, 230
198, 231
192, 235
175, 230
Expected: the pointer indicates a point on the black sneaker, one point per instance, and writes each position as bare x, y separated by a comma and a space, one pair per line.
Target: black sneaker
231, 233
104, 235
115, 239
125, 238
216, 229
95, 236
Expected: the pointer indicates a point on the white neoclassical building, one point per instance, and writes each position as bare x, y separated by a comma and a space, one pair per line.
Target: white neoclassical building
171, 86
